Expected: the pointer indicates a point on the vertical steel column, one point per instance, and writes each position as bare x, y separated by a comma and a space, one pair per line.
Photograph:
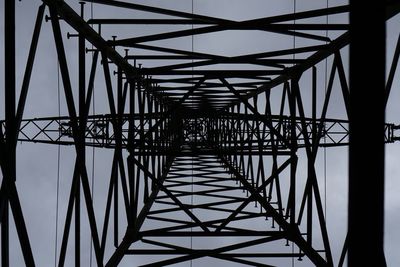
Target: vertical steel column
366, 163
9, 59
5, 237
9, 99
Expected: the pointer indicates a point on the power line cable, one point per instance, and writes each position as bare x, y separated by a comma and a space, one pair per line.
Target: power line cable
58, 167
294, 57
325, 154
93, 154
192, 186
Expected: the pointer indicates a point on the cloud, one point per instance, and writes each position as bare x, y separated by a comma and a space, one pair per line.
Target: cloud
37, 163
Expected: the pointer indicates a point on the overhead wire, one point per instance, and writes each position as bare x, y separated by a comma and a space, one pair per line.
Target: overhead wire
58, 167
192, 186
294, 57
93, 153
325, 154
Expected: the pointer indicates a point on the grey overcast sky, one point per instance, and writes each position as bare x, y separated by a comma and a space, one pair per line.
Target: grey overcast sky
37, 163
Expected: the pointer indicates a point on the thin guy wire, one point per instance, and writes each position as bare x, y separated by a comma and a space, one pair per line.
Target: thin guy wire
58, 166
325, 155
93, 154
294, 57
191, 200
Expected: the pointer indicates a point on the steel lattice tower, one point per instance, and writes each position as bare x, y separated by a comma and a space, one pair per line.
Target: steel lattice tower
206, 145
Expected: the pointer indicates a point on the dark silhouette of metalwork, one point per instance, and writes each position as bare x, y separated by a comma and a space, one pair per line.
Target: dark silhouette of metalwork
210, 126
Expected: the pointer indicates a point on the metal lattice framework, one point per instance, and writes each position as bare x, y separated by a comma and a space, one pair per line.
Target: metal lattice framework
197, 125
